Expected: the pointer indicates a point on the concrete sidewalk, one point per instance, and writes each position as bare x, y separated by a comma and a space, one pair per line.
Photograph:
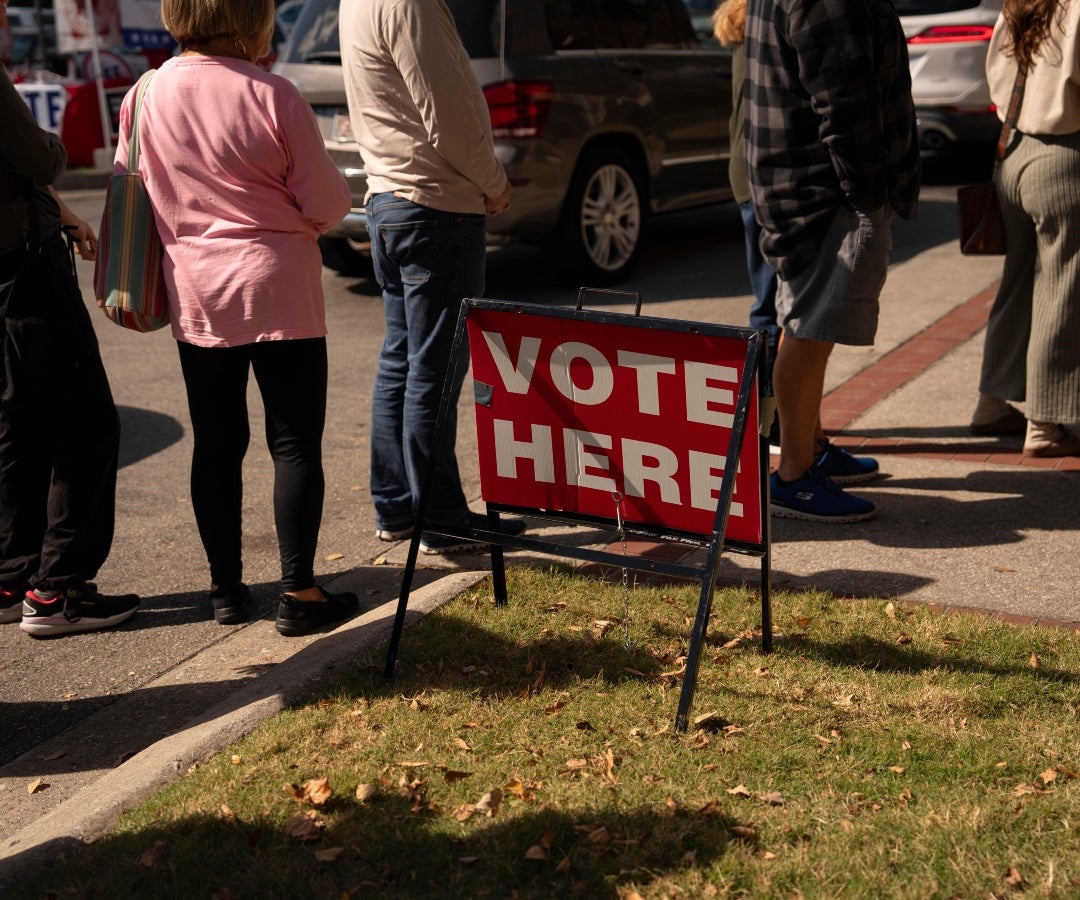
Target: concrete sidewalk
963, 523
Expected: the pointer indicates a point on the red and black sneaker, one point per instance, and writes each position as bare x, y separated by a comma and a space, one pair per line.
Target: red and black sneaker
75, 609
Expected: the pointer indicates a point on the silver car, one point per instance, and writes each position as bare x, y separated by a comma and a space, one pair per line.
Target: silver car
947, 44
601, 118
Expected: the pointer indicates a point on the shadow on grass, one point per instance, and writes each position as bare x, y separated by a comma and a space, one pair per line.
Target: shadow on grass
454, 654
873, 654
387, 849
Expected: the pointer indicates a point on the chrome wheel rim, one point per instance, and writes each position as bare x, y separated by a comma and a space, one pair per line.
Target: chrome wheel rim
610, 218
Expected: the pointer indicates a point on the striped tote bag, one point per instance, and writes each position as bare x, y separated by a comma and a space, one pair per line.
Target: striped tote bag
128, 280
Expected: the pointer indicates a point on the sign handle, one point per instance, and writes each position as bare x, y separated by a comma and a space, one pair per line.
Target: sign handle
582, 292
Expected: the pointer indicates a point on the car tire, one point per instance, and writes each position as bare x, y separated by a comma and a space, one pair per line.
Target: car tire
600, 234
341, 256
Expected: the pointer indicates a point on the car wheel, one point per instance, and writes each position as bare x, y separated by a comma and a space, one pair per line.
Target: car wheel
341, 256
601, 230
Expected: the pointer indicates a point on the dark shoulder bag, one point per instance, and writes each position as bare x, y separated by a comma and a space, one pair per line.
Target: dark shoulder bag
982, 232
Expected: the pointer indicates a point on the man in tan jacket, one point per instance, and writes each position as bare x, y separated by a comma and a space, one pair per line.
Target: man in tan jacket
424, 132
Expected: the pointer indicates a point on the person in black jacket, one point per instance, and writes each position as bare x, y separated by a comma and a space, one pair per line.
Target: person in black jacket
59, 428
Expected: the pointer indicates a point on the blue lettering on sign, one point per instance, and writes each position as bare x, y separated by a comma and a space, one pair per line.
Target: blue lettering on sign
46, 103
55, 100
148, 39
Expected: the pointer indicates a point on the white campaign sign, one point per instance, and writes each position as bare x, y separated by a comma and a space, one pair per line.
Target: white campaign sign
46, 102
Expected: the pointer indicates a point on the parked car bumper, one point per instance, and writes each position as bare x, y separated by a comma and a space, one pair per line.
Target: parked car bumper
941, 127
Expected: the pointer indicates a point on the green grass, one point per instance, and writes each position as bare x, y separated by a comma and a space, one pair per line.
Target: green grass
879, 751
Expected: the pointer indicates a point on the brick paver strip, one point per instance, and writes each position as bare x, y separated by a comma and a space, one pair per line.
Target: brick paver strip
897, 368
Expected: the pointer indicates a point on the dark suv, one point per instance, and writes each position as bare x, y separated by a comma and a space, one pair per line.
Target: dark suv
604, 112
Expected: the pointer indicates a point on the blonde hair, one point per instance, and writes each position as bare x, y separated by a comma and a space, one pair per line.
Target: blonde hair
729, 22
193, 21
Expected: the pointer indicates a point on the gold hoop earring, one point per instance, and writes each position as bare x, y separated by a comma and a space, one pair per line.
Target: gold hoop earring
238, 45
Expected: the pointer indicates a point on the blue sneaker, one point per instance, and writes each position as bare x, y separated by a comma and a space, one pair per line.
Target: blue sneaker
836, 464
437, 543
816, 498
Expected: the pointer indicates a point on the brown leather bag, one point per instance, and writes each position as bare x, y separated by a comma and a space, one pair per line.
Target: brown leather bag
978, 212
979, 216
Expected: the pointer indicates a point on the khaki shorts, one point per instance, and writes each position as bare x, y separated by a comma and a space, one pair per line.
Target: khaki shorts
835, 298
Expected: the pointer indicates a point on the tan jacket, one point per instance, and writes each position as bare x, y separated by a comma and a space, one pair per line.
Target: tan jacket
1051, 102
417, 112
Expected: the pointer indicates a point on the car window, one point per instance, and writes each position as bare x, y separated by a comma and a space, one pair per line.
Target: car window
933, 7
570, 24
314, 38
315, 34
636, 25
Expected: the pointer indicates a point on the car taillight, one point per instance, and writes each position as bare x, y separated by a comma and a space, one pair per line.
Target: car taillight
518, 109
951, 34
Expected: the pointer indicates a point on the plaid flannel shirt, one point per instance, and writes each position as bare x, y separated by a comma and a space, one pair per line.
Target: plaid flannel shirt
830, 120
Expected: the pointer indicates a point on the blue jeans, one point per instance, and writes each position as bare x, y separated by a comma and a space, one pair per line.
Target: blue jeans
426, 261
763, 283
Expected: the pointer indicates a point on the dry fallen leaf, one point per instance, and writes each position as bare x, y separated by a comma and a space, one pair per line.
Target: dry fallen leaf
52, 756
519, 790
536, 852
740, 790
305, 826
773, 797
890, 610
315, 791
1049, 775
490, 802
365, 792
1014, 879
1034, 661
329, 854
152, 856
36, 786
462, 745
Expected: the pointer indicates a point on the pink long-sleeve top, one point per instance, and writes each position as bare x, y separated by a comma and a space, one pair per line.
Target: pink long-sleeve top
241, 186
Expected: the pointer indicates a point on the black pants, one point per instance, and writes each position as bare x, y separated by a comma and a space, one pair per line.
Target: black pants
291, 376
59, 438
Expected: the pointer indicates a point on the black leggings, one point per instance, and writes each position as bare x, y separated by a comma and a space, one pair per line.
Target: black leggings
292, 381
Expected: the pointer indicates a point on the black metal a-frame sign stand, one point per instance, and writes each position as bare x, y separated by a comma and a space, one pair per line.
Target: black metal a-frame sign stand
715, 542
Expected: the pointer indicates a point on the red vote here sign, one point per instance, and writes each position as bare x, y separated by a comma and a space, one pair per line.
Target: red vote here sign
577, 415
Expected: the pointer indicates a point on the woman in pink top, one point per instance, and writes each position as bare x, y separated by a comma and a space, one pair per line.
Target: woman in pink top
241, 187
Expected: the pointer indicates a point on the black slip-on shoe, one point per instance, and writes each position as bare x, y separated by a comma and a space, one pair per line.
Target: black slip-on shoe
296, 617
230, 603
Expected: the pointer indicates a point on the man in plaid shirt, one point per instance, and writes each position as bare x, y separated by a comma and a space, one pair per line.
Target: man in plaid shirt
832, 155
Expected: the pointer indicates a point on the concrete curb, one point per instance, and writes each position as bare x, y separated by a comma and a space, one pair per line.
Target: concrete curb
93, 811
